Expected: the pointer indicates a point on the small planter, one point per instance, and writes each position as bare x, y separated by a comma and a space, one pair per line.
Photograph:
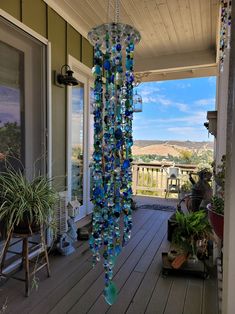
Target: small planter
217, 222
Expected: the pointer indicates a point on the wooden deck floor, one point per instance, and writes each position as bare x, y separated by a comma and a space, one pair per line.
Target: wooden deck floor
77, 288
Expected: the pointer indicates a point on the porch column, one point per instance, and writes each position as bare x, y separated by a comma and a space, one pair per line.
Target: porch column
228, 305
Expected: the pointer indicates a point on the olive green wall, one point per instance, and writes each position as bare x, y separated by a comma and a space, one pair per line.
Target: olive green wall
65, 40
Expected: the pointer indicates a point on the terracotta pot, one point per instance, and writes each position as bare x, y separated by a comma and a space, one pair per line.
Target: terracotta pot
217, 222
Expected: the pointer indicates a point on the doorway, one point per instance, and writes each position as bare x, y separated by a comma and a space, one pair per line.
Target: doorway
80, 137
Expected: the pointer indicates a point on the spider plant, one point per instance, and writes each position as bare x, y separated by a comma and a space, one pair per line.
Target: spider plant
26, 201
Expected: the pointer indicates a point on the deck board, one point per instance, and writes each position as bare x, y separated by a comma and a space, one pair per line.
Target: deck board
75, 287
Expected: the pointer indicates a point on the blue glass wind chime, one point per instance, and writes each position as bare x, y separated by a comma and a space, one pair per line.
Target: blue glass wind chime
113, 113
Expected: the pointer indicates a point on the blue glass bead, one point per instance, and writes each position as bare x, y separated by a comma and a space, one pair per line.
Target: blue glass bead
97, 156
118, 134
126, 164
91, 241
132, 47
118, 47
105, 255
117, 250
98, 192
129, 64
98, 87
107, 65
98, 127
128, 113
119, 69
97, 69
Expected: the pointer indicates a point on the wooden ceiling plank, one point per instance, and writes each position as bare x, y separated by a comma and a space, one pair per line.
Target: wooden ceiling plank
158, 25
138, 20
214, 21
169, 25
186, 17
196, 21
80, 8
97, 11
206, 21
181, 29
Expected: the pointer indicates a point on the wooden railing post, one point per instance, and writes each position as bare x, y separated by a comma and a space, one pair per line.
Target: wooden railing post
134, 178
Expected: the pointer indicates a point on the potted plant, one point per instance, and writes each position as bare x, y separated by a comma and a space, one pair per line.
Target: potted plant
216, 215
190, 235
216, 207
26, 205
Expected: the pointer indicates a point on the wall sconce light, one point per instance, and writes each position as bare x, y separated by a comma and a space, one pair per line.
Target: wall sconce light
66, 78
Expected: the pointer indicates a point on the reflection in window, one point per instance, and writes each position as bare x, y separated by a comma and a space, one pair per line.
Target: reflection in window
11, 106
77, 141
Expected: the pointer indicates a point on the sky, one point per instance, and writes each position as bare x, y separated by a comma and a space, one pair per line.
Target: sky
175, 110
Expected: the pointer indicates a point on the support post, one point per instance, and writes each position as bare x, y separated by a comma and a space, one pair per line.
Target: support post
228, 302
134, 178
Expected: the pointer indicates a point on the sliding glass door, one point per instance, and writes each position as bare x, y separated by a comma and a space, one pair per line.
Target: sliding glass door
22, 103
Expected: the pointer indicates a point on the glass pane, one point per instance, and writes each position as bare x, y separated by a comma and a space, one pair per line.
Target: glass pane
77, 141
11, 106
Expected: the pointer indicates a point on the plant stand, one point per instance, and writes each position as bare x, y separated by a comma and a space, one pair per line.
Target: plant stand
25, 258
192, 269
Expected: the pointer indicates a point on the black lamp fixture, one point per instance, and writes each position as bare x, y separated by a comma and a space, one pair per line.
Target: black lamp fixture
67, 78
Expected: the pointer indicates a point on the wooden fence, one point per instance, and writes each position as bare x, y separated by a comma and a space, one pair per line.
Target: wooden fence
151, 178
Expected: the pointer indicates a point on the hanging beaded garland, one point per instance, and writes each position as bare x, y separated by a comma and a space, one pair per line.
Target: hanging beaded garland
225, 29
113, 113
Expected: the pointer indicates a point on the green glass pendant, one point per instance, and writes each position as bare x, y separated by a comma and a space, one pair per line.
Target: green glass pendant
111, 293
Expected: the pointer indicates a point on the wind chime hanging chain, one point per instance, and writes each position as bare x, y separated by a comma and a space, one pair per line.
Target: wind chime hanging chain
117, 11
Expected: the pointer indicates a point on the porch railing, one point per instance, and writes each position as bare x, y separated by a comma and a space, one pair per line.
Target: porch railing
151, 178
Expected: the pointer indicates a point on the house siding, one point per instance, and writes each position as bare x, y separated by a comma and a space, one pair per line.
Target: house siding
64, 40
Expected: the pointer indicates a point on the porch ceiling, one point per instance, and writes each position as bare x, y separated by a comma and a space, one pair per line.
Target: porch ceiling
179, 37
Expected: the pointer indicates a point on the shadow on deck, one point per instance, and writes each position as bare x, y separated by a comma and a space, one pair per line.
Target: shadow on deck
75, 287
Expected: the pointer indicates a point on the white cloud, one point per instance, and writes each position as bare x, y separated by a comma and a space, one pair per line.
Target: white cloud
205, 102
212, 80
162, 100
183, 85
182, 107
197, 118
181, 130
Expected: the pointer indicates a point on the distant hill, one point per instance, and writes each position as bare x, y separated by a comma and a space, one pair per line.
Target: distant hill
164, 148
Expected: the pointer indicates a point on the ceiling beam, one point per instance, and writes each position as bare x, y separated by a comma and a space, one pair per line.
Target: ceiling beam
176, 61
177, 74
